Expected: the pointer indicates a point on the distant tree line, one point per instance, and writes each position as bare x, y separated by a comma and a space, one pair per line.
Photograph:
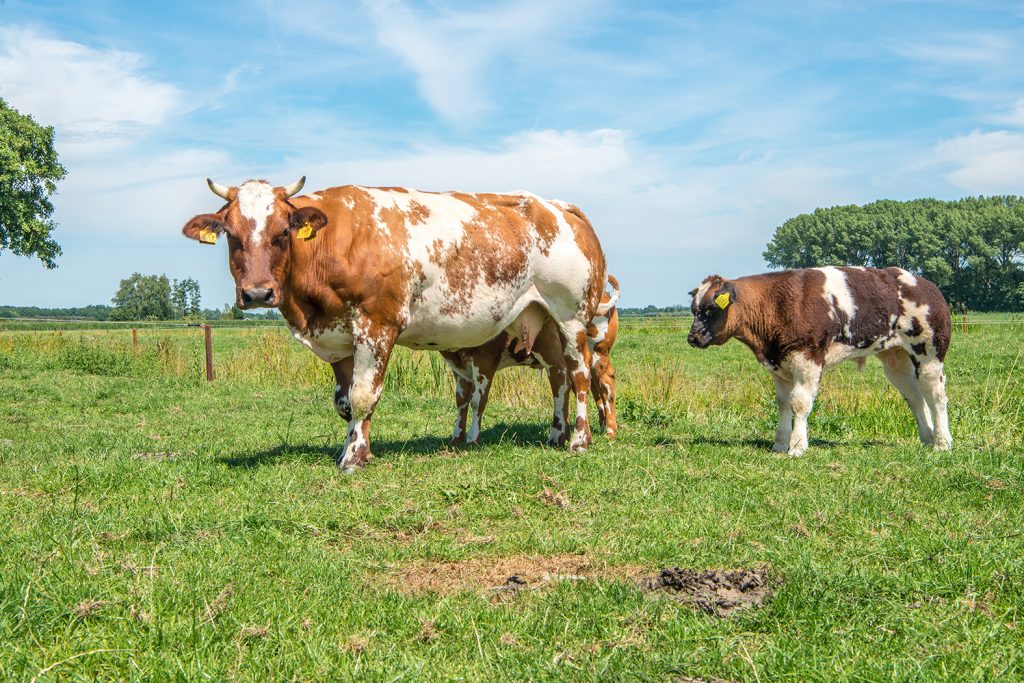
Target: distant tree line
972, 248
94, 312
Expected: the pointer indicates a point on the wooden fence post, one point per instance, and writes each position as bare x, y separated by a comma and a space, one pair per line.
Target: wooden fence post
135, 340
209, 353
965, 323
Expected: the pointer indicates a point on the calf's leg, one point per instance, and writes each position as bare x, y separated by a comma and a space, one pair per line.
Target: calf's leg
900, 372
577, 362
806, 377
932, 378
783, 396
343, 381
464, 386
602, 385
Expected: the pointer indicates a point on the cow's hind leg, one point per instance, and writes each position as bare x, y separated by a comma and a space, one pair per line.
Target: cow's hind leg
783, 397
806, 377
369, 363
932, 379
577, 362
900, 372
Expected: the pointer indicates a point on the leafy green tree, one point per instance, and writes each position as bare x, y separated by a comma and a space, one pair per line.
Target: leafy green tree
232, 312
973, 248
143, 297
29, 172
185, 298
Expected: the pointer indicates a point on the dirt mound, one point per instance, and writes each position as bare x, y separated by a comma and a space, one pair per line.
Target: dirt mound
715, 591
503, 575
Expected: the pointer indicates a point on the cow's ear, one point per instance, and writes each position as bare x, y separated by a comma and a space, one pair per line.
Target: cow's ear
204, 228
307, 222
726, 296
692, 293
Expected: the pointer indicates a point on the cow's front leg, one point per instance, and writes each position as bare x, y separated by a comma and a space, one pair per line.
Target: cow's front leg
806, 376
577, 362
369, 363
783, 397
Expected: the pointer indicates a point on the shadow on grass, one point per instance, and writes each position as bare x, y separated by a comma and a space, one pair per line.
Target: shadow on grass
762, 444
525, 434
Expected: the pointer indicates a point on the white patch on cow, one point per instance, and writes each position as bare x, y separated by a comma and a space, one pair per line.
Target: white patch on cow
314, 196
601, 323
332, 344
702, 290
557, 280
837, 293
256, 203
909, 311
906, 278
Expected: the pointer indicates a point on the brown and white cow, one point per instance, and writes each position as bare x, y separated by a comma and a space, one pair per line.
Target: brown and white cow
798, 322
474, 371
356, 270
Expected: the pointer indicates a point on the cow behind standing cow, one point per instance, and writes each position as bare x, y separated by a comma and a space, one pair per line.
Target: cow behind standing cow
474, 371
799, 322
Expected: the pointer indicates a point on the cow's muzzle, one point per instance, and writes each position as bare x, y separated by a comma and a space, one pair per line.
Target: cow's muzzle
699, 339
255, 297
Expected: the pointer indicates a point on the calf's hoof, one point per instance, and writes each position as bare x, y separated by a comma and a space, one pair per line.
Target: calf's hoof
580, 442
943, 444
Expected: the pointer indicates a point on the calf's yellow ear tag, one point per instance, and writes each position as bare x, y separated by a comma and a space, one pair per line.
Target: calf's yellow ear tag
722, 300
305, 232
207, 236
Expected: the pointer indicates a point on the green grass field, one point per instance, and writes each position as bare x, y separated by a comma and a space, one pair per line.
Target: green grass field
156, 526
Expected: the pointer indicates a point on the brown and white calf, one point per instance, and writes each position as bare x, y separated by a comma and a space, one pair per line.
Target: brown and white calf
798, 322
474, 371
356, 270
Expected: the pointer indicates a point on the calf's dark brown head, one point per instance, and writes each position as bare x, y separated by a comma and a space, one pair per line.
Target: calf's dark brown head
261, 225
712, 304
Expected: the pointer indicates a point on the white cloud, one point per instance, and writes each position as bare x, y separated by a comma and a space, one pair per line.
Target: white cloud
986, 163
450, 51
85, 93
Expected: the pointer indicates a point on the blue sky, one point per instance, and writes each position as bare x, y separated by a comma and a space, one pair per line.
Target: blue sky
688, 131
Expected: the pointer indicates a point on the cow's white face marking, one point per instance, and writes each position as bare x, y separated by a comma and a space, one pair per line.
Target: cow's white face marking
702, 290
837, 288
256, 203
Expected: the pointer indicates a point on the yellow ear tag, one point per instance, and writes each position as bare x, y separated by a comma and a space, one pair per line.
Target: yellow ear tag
306, 231
722, 300
207, 236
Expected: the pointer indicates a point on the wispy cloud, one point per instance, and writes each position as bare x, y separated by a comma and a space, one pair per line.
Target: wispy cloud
84, 92
453, 51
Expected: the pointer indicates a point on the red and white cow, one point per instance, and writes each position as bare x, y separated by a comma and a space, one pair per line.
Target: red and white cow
798, 322
356, 270
474, 370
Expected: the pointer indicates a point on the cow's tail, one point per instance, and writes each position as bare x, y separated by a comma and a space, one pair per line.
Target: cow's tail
605, 307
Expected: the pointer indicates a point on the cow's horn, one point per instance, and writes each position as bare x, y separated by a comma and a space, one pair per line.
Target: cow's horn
218, 190
294, 188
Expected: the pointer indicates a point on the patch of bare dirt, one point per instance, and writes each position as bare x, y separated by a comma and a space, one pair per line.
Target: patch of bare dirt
155, 455
715, 591
503, 575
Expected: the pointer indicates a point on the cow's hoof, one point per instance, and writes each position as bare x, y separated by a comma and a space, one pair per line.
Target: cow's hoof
580, 442
350, 469
780, 448
943, 444
611, 433
797, 451
457, 440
